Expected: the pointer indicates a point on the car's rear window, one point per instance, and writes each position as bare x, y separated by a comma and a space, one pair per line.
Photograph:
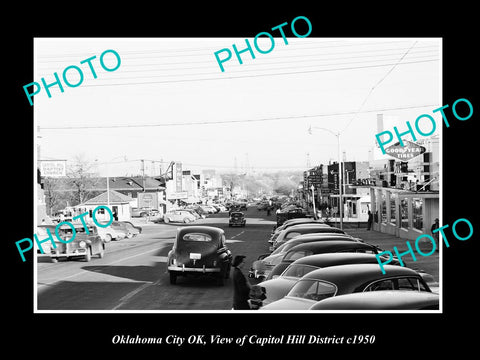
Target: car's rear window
197, 237
313, 289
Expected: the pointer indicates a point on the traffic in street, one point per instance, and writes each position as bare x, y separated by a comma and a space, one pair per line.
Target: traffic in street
133, 274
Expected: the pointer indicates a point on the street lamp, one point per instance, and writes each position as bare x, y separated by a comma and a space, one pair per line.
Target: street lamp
340, 198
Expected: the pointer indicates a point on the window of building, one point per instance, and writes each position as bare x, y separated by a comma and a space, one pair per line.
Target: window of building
383, 207
393, 219
403, 209
417, 213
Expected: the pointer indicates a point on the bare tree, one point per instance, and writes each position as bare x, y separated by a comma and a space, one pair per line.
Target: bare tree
81, 179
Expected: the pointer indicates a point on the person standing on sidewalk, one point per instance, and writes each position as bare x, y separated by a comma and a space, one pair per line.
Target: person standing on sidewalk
241, 286
435, 226
370, 219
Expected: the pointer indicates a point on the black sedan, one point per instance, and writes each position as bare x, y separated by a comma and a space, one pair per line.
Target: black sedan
199, 250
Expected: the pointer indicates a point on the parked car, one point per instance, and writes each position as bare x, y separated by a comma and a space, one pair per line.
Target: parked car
43, 234
291, 222
194, 213
301, 229
266, 262
275, 236
198, 210
199, 250
346, 279
208, 209
110, 233
132, 230
236, 219
381, 300
220, 207
178, 216
143, 212
277, 287
83, 245
120, 226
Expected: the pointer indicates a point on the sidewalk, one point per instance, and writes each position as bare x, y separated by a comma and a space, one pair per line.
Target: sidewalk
386, 242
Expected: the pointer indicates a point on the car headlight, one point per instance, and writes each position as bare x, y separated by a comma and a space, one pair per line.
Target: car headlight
82, 244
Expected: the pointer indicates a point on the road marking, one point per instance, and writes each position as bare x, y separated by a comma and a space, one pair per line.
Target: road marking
93, 269
134, 292
240, 233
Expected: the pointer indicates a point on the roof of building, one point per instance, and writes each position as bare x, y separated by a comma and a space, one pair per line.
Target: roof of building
115, 198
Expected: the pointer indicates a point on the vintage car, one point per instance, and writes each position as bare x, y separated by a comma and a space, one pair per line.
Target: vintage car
346, 279
329, 245
236, 219
110, 232
132, 230
291, 222
83, 245
279, 286
143, 212
381, 300
266, 262
193, 212
291, 212
178, 215
301, 229
199, 250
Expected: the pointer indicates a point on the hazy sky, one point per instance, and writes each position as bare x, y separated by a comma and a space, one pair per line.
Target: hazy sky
158, 104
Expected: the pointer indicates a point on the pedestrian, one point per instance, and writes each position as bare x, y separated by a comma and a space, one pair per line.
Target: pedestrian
370, 219
241, 286
435, 226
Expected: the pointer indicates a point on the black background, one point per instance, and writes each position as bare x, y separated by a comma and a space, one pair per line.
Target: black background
403, 334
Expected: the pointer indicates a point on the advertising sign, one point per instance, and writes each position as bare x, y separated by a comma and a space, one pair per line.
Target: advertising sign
178, 176
53, 168
406, 152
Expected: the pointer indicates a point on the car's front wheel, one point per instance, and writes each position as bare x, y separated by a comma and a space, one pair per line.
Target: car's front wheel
108, 238
166, 220
88, 255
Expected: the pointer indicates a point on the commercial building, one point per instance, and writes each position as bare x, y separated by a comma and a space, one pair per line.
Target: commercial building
405, 194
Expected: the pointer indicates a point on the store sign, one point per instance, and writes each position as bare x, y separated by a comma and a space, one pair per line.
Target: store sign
178, 195
178, 177
406, 152
53, 168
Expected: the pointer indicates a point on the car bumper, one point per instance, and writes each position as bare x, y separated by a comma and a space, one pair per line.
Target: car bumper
76, 252
190, 269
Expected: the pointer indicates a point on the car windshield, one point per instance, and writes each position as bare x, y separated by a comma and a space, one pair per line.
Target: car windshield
197, 237
298, 270
313, 289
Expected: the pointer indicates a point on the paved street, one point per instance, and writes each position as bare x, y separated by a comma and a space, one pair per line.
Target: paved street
133, 276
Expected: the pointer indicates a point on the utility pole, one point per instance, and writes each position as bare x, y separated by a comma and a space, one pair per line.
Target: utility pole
143, 174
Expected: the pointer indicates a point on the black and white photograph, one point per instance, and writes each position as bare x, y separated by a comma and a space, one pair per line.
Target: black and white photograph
195, 159
243, 181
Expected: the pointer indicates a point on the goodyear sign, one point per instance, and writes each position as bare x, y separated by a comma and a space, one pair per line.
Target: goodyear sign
406, 152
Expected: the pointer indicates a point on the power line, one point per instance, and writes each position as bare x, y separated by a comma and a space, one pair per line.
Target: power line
378, 83
253, 75
231, 121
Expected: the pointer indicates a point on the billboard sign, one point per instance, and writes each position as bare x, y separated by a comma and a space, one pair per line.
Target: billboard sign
406, 152
53, 168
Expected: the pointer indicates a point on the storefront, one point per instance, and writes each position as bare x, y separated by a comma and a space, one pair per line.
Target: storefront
403, 213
